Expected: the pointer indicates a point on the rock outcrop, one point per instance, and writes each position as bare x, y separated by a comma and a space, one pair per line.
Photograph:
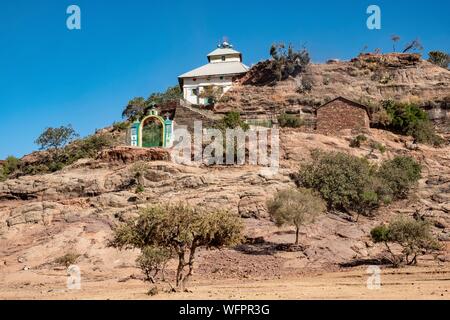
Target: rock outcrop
367, 79
97, 194
126, 155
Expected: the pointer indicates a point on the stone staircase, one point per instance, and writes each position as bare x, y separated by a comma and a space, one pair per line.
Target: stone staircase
186, 114
203, 112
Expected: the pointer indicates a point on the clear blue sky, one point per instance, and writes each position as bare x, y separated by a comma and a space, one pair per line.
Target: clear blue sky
50, 76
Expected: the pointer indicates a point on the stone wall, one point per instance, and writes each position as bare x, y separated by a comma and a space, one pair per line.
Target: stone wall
341, 114
186, 117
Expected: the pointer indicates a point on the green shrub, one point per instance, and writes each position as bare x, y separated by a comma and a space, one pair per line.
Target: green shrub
67, 259
152, 261
55, 166
11, 165
290, 121
307, 85
287, 62
57, 159
415, 238
410, 119
349, 183
80, 149
403, 116
120, 126
400, 174
424, 132
378, 146
356, 142
232, 120
136, 107
439, 58
35, 169
380, 234
3, 175
139, 170
295, 207
90, 146
140, 189
211, 94
341, 179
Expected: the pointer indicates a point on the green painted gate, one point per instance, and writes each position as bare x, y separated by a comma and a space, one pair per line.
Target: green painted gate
152, 133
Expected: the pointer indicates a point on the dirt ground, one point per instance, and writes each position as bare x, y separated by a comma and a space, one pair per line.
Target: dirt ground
406, 283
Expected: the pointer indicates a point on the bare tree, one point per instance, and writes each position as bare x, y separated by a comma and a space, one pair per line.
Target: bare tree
395, 38
413, 45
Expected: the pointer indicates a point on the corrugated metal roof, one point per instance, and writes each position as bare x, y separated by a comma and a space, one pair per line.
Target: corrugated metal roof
223, 51
220, 68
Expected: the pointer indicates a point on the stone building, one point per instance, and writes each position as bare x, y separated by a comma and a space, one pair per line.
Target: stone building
340, 114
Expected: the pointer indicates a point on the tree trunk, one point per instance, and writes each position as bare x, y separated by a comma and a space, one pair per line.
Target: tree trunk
395, 261
190, 265
297, 230
181, 264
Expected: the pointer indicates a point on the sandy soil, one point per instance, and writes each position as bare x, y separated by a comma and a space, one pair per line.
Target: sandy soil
408, 283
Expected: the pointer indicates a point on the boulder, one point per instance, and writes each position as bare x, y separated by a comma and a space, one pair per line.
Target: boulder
36, 212
252, 206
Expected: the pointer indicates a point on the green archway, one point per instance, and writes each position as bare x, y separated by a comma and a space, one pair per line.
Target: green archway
152, 132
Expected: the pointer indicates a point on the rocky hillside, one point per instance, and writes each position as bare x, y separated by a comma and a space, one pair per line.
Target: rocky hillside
45, 217
368, 78
73, 211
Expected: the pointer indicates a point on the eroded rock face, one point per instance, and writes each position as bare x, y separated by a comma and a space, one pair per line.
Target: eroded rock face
369, 77
92, 196
253, 205
36, 212
129, 154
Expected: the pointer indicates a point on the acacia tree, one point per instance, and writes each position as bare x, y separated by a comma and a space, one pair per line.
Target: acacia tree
414, 237
54, 139
295, 207
165, 231
134, 109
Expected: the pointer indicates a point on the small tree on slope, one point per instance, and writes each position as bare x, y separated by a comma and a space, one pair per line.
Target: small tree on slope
295, 207
164, 231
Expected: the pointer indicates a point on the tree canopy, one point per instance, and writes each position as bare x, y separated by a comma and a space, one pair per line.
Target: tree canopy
56, 138
163, 231
136, 107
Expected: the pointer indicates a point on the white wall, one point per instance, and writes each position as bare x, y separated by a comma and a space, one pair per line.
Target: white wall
189, 84
228, 58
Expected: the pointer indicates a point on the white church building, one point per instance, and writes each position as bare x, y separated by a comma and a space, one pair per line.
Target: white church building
224, 64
